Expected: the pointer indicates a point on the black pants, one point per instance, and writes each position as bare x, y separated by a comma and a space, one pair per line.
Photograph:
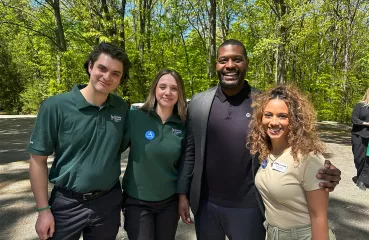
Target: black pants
359, 146
214, 222
97, 219
145, 220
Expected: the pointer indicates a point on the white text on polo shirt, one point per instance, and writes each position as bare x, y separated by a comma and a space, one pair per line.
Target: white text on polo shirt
176, 131
116, 118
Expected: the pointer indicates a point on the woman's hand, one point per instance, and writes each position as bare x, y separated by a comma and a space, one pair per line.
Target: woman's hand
184, 209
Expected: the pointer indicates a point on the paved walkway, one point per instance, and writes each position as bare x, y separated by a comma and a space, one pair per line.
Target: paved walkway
348, 209
17, 216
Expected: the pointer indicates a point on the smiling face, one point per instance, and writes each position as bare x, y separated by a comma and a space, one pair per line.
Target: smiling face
275, 122
166, 92
231, 66
105, 74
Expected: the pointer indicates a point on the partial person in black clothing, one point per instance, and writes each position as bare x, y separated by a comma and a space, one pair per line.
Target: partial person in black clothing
359, 141
218, 171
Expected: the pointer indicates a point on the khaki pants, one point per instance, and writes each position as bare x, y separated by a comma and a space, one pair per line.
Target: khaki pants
300, 233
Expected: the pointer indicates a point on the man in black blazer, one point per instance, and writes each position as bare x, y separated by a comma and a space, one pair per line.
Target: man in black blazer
218, 172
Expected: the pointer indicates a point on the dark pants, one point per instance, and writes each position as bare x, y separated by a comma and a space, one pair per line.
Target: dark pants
214, 222
145, 220
96, 219
359, 146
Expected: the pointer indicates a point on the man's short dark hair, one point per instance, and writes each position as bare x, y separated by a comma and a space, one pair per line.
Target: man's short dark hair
234, 42
114, 52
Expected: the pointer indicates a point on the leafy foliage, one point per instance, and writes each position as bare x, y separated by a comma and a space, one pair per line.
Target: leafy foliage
320, 46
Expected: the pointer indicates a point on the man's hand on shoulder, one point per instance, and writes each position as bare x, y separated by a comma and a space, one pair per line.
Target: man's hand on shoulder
45, 225
331, 174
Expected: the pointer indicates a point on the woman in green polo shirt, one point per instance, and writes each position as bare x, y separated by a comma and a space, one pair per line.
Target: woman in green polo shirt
157, 131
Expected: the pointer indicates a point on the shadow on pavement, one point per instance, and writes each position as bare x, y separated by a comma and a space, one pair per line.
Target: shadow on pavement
14, 138
13, 176
340, 213
11, 214
335, 133
10, 201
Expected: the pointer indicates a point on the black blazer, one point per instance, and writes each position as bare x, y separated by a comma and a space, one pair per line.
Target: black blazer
360, 114
255, 167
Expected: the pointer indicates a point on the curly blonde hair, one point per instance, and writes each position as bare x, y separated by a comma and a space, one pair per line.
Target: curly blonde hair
302, 136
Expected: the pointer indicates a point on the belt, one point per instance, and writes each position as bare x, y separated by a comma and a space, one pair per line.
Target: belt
85, 196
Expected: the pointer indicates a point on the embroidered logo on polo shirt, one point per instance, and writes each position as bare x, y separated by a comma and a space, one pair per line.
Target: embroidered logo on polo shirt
116, 118
176, 131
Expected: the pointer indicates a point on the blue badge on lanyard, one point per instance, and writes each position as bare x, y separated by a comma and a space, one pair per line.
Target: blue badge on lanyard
264, 163
149, 135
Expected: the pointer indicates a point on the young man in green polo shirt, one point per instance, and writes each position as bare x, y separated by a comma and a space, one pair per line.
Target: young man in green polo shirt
87, 128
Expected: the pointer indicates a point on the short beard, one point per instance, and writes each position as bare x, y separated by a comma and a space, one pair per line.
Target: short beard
228, 85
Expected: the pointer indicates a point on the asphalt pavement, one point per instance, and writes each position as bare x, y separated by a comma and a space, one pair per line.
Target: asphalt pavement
348, 207
17, 215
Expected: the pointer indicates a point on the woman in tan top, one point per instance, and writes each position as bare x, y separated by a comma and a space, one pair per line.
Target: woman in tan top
282, 133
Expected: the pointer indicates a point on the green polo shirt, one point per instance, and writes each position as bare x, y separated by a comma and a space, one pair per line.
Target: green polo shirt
87, 140
155, 150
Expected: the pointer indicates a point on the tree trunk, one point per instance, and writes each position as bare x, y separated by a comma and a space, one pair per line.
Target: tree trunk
141, 45
224, 20
58, 68
62, 46
111, 30
122, 26
148, 29
281, 11
212, 39
187, 63
281, 61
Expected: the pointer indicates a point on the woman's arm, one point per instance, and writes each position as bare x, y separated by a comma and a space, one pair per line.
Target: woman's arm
317, 201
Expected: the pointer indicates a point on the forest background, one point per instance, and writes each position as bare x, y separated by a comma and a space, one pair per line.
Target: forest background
322, 46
